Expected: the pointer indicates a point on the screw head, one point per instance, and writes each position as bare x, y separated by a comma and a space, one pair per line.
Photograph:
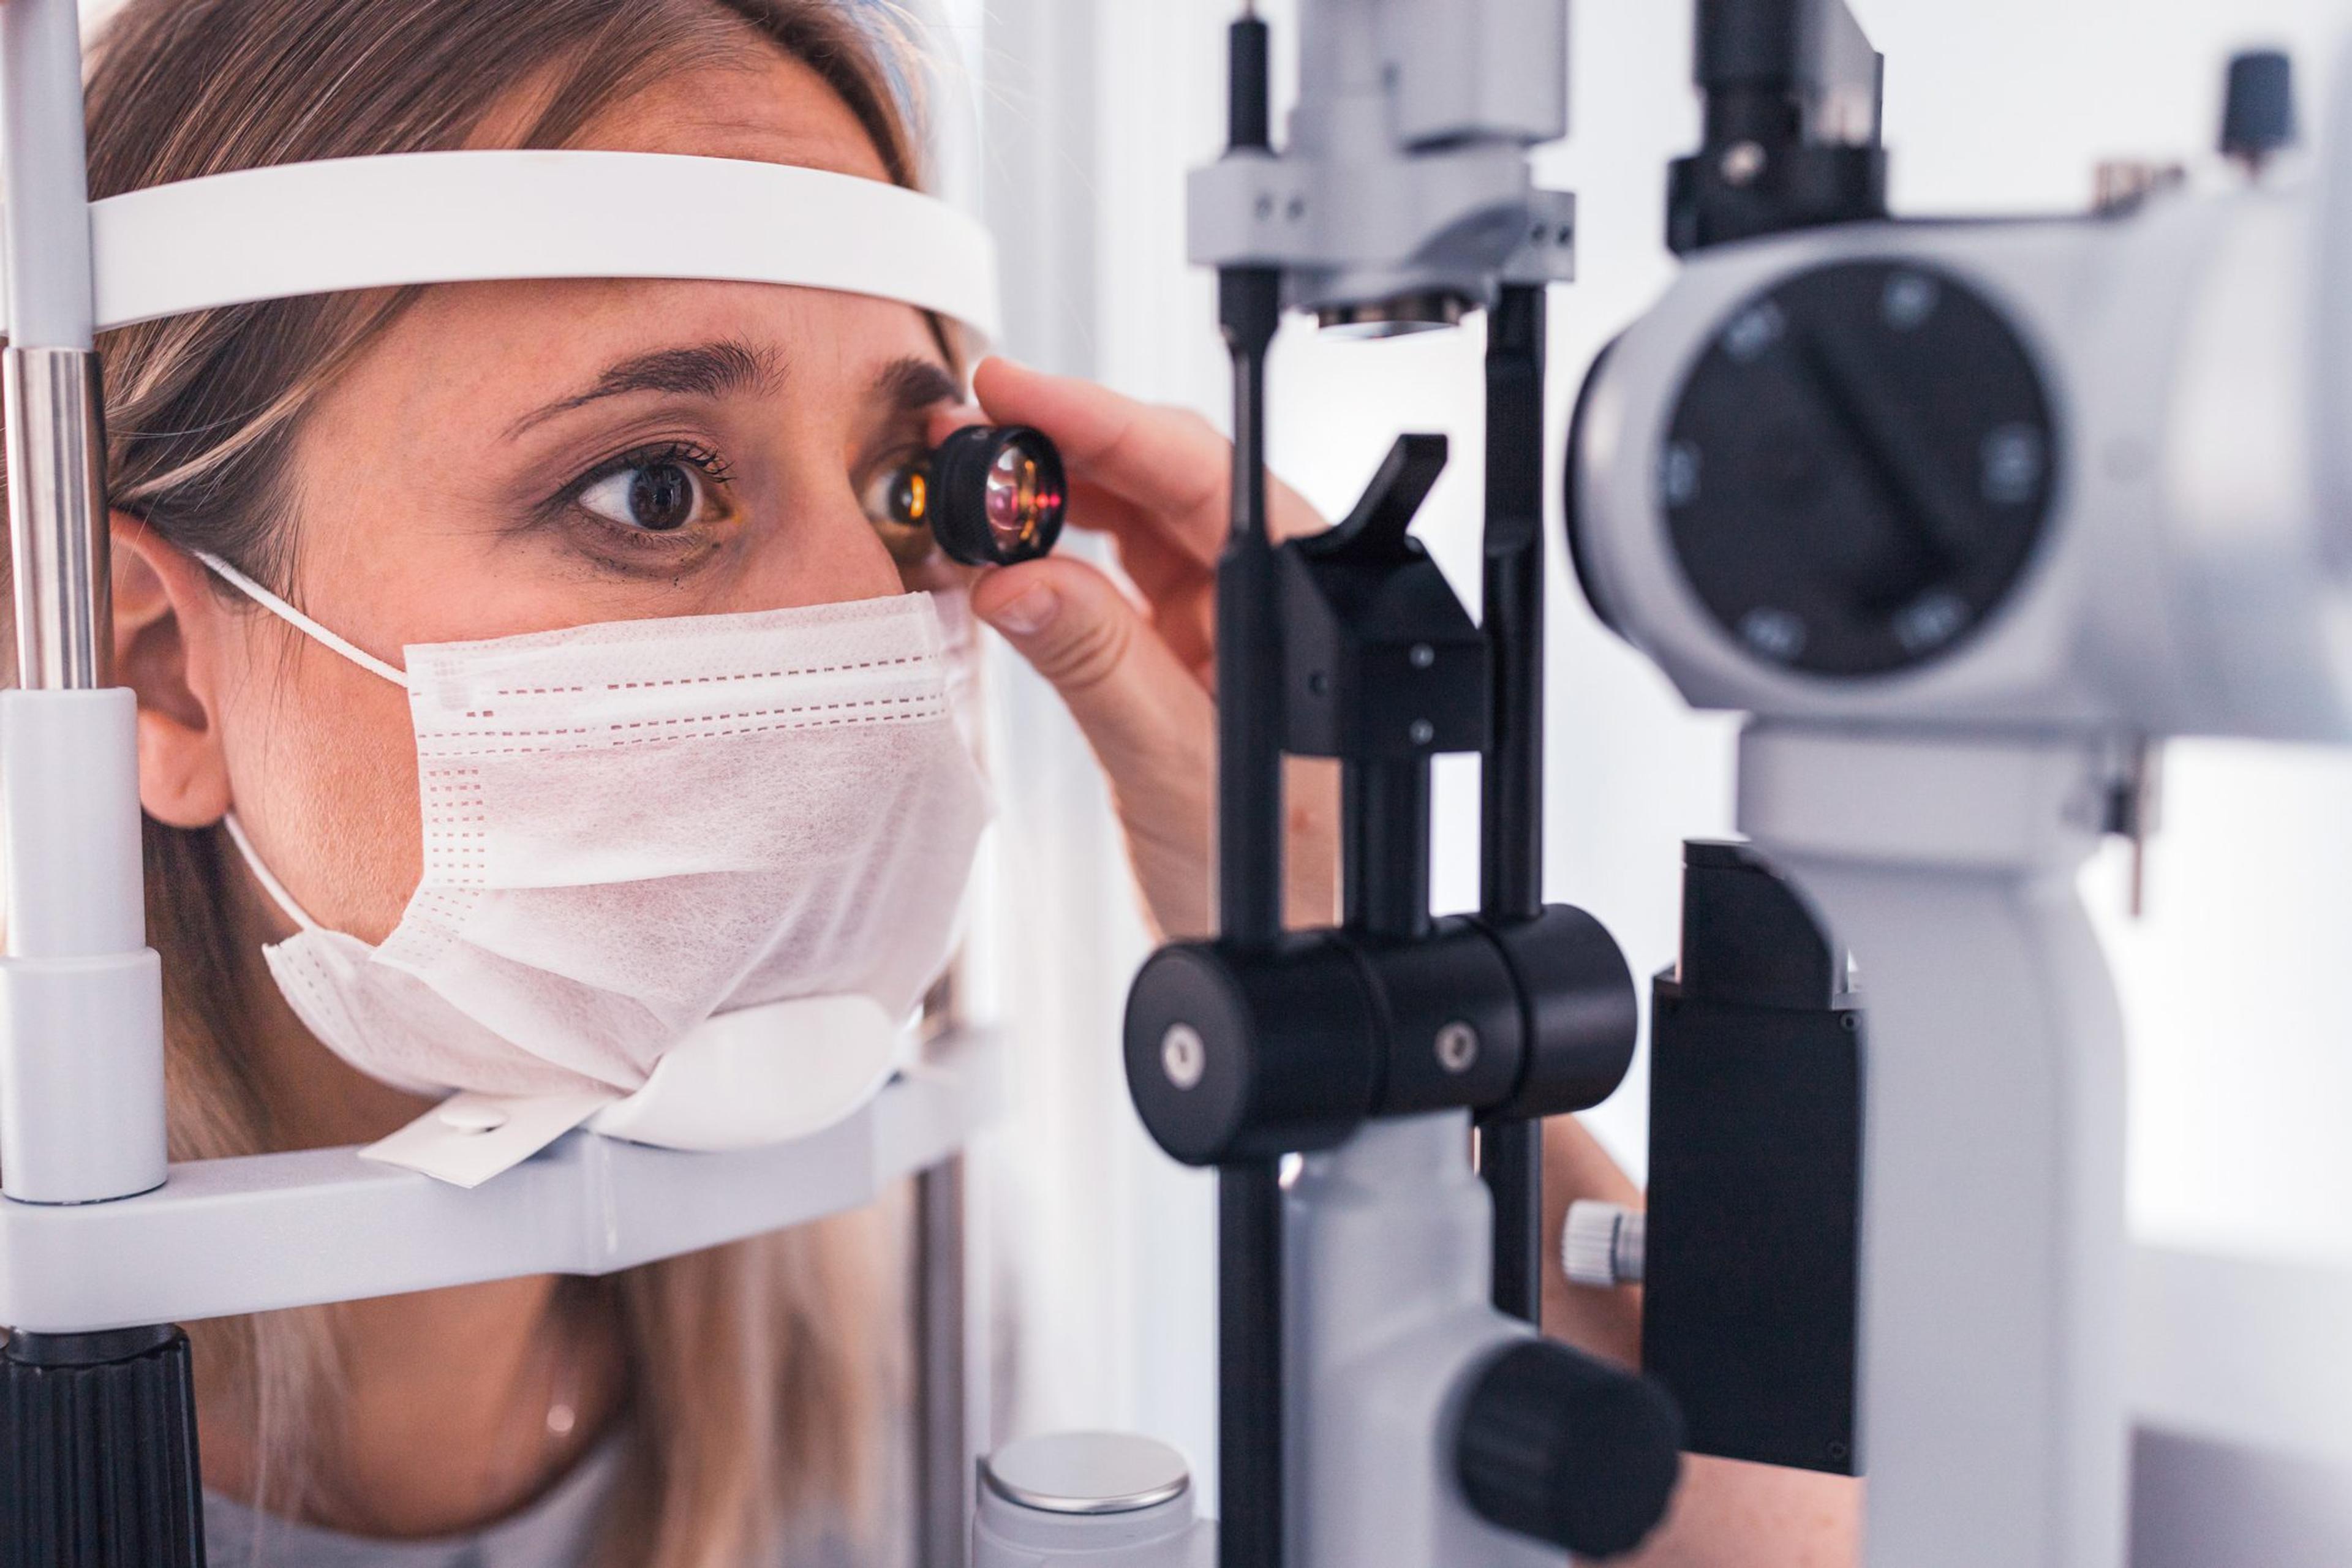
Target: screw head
1457, 1047
1423, 731
1420, 656
1184, 1056
1743, 162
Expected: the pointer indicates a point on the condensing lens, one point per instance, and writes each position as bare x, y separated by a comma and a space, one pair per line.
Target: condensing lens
997, 495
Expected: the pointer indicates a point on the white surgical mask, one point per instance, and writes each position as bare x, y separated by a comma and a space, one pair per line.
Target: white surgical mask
688, 876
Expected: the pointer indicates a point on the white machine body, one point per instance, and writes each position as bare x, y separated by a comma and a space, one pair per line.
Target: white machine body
1406, 173
1390, 1243
2185, 585
2188, 579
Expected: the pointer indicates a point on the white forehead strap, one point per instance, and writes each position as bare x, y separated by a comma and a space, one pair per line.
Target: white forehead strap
452, 217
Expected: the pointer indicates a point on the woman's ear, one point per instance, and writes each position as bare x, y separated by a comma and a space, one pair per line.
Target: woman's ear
165, 617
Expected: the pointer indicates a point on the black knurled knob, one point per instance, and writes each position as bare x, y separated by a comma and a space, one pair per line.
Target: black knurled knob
1567, 1449
2258, 105
98, 1452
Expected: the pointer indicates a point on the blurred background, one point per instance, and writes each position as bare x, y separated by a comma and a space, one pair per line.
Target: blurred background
1070, 125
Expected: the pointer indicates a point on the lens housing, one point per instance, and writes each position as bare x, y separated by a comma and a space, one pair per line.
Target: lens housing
997, 495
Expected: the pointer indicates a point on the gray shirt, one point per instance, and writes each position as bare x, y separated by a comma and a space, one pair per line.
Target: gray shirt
553, 1533
556, 1531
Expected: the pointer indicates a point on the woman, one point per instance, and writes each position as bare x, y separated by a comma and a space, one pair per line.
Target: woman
486, 460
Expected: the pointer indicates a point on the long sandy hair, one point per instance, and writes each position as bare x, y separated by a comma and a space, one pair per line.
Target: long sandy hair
758, 1372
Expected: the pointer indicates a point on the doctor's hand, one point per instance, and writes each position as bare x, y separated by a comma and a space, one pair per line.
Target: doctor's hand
1136, 669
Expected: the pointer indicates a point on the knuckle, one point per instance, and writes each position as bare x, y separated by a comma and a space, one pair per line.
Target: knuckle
1092, 653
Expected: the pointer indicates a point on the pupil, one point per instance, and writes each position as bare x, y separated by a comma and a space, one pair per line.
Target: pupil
661, 497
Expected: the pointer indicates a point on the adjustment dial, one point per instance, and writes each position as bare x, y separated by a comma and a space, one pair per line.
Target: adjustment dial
1858, 468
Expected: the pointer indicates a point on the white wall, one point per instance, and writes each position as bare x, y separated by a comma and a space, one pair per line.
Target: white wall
2241, 1072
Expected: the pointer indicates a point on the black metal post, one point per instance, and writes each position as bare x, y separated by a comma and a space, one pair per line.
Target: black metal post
1511, 828
1384, 813
1249, 878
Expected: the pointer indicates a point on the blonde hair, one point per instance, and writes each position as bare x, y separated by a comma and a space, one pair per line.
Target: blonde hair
758, 1372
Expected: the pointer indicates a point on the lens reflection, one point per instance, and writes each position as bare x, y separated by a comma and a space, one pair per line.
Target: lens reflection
1017, 501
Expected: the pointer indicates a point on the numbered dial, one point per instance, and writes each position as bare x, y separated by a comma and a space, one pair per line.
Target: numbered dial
1858, 468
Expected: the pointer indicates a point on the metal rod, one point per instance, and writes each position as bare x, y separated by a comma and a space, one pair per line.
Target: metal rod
1249, 874
1384, 817
56, 447
1510, 1162
1249, 1365
1249, 650
1249, 907
1511, 840
943, 1456
1510, 1158
56, 519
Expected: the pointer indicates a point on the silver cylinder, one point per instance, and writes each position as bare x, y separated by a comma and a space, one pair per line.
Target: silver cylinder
1088, 1499
56, 519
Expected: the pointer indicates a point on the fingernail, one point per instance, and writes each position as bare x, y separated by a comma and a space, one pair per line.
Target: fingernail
1027, 615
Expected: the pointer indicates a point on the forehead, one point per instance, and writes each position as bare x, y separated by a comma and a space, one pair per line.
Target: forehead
472, 341
761, 105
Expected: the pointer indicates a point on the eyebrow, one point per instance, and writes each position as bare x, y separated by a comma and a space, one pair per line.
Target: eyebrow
911, 385
705, 370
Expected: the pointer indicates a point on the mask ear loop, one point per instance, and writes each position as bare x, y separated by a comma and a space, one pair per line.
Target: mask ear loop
299, 622
261, 874
308, 627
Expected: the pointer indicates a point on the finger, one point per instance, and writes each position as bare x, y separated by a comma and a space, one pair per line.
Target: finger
1148, 719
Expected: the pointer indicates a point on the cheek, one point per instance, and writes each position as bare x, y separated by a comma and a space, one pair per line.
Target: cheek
818, 547
322, 769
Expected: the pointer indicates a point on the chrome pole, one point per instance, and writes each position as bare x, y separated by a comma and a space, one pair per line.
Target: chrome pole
56, 448
81, 1050
56, 519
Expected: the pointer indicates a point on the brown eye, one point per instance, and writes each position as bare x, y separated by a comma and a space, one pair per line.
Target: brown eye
659, 496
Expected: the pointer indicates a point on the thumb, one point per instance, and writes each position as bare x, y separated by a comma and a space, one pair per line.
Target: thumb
1150, 722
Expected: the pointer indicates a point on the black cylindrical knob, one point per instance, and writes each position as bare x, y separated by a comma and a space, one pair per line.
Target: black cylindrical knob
1242, 1054
1567, 1449
2258, 109
1582, 1011
97, 1451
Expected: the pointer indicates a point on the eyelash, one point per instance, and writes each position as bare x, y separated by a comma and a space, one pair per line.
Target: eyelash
710, 464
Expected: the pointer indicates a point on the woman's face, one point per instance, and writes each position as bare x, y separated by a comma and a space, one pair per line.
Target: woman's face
516, 457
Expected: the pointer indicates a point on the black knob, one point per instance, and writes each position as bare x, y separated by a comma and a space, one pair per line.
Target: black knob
98, 1452
2258, 109
1567, 1449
